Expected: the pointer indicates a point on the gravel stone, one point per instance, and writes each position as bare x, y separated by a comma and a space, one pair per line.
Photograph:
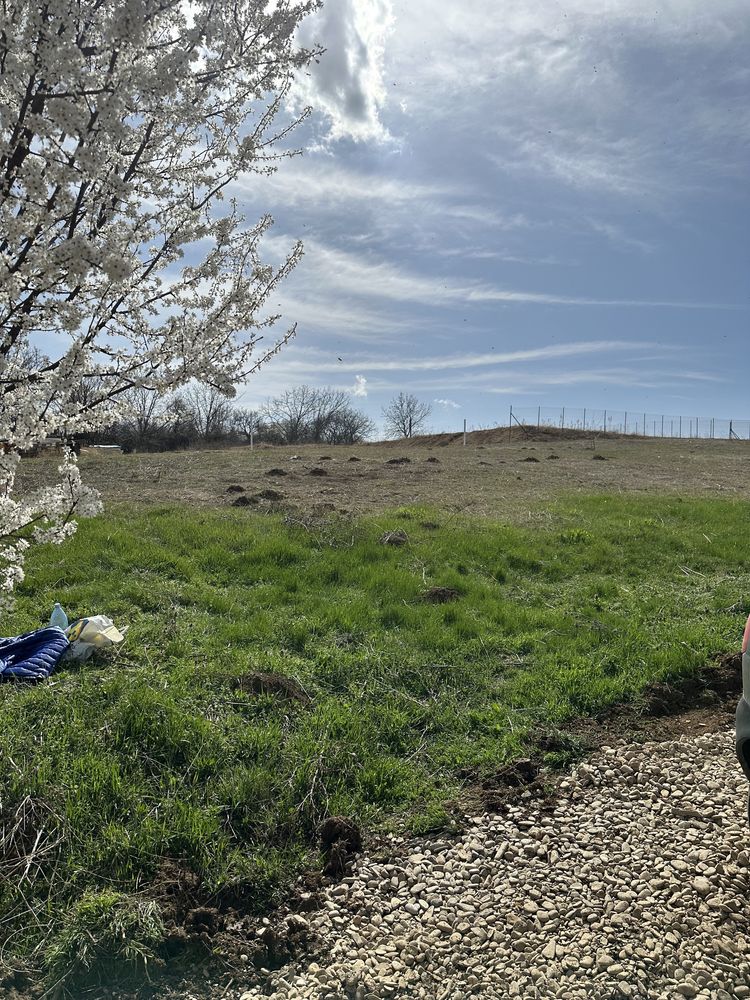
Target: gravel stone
631, 883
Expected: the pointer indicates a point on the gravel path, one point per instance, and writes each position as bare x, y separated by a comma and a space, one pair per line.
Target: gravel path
634, 884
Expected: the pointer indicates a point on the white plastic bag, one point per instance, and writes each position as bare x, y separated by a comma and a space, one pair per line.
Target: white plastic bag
89, 634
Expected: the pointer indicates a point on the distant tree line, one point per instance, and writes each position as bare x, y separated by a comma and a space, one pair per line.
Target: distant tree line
202, 415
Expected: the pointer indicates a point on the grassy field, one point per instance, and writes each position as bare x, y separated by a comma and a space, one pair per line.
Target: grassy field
491, 477
171, 754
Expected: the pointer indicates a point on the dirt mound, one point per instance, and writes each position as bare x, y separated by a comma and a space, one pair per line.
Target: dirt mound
318, 472
203, 920
440, 595
269, 495
398, 461
433, 460
665, 711
598, 457
552, 456
276, 472
244, 501
517, 433
340, 840
717, 684
235, 489
325, 458
353, 458
529, 458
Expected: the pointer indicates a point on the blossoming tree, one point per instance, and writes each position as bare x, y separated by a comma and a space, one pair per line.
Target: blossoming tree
122, 122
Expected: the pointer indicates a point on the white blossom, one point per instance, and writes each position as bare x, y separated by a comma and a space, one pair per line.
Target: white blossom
121, 122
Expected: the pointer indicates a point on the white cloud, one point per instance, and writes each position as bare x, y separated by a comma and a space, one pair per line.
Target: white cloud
360, 386
315, 180
313, 309
387, 200
597, 78
367, 277
512, 373
315, 361
347, 83
619, 238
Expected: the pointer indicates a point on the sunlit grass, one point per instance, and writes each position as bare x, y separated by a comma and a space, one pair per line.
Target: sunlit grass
156, 754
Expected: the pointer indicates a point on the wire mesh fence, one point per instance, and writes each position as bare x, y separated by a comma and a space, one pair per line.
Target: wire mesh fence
631, 422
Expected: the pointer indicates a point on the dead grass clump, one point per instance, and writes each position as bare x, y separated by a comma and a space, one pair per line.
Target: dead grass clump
552, 456
283, 687
433, 460
598, 457
398, 537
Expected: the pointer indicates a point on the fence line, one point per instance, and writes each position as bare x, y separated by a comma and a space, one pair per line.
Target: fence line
628, 422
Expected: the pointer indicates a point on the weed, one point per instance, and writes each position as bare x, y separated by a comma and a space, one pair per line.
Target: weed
104, 929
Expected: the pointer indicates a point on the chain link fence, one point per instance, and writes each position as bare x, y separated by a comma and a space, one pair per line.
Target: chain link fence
630, 422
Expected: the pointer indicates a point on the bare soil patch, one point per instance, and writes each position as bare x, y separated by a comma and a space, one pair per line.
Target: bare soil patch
689, 706
454, 482
440, 595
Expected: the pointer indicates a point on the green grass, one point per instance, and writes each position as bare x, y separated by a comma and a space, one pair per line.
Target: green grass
114, 766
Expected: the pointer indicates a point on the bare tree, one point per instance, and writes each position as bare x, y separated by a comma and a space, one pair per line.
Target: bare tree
349, 426
207, 409
289, 414
247, 423
405, 415
144, 411
309, 414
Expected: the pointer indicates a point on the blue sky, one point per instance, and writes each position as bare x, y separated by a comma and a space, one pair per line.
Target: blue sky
524, 202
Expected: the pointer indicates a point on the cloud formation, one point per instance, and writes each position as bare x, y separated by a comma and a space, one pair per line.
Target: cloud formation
360, 387
346, 85
368, 277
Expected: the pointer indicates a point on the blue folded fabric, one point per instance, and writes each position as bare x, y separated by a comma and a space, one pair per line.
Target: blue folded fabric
33, 656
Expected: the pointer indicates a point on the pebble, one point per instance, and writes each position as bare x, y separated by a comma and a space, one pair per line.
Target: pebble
621, 889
